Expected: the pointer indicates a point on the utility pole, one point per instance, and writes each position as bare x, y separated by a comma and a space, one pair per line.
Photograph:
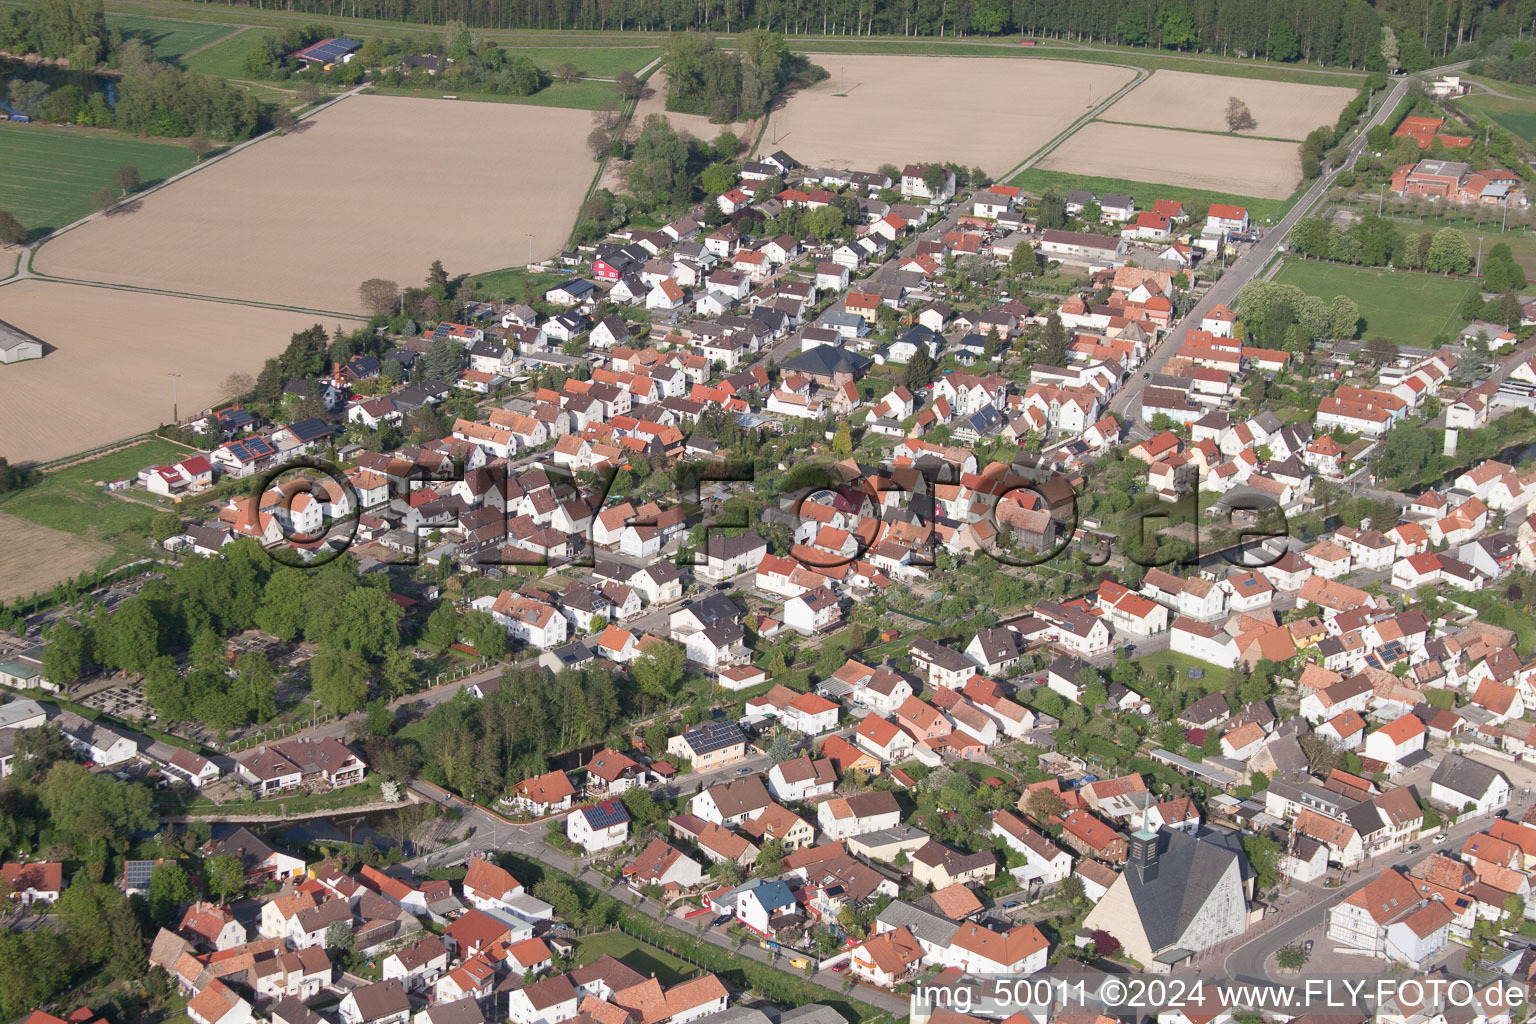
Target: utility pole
175, 413
1479, 271
529, 235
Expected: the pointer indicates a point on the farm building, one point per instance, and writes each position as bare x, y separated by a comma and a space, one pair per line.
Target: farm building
329, 52
17, 345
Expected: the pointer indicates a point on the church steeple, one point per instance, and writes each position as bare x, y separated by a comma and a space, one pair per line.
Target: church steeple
1141, 854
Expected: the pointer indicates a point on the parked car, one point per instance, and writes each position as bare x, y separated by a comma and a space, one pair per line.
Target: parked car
1414, 848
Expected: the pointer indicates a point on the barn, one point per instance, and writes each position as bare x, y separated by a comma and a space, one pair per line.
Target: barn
17, 345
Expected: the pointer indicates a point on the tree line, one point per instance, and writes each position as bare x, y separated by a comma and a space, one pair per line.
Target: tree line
1374, 241
152, 97
1319, 31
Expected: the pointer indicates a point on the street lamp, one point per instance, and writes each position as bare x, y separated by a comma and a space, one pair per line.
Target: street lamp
175, 413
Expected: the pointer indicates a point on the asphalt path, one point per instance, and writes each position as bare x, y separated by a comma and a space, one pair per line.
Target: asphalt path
1252, 262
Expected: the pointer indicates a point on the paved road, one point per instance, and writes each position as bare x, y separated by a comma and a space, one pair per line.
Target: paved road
492, 832
1251, 263
1306, 912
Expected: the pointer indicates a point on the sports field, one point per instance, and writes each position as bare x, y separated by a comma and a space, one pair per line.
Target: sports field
370, 188
990, 112
170, 39
48, 174
106, 377
1410, 308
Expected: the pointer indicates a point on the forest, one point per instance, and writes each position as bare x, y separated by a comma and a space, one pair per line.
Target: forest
1318, 31
734, 85
152, 97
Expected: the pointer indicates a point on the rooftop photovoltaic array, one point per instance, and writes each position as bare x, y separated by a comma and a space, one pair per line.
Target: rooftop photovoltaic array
328, 51
608, 813
712, 736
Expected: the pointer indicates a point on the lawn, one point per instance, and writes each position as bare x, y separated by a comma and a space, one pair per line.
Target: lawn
69, 499
645, 958
507, 285
597, 61
49, 175
226, 58
1215, 678
171, 40
1410, 308
582, 94
1516, 116
1036, 180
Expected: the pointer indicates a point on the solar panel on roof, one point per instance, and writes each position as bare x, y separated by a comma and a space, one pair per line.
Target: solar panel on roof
136, 873
328, 50
605, 814
714, 736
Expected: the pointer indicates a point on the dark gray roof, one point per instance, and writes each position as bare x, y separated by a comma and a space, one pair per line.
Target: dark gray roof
825, 360
1187, 871
1464, 776
923, 924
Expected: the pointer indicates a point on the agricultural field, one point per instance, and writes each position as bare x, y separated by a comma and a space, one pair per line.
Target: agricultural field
1179, 99
105, 377
49, 174
986, 112
34, 557
170, 39
1409, 307
367, 189
1215, 163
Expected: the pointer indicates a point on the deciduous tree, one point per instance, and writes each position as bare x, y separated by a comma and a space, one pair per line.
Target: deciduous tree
380, 297
126, 178
1239, 117
11, 230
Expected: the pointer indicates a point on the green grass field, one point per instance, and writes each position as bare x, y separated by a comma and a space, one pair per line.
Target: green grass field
507, 285
582, 94
49, 174
1518, 117
1035, 181
69, 499
225, 59
1408, 307
1214, 679
1521, 240
171, 40
646, 959
598, 61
